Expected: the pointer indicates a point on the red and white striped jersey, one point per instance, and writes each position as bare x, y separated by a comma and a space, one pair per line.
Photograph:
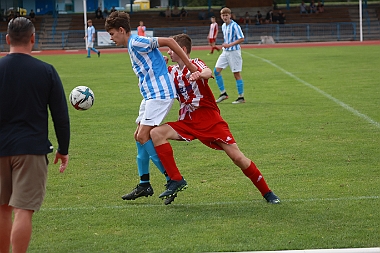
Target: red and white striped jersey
213, 31
192, 95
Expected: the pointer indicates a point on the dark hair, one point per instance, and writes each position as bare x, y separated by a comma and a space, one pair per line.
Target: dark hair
183, 40
116, 20
20, 30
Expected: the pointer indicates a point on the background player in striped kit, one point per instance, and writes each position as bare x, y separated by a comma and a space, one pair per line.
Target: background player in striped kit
156, 86
213, 33
231, 56
90, 39
199, 118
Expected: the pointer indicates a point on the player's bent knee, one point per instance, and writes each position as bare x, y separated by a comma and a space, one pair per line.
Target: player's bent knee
142, 139
155, 135
158, 135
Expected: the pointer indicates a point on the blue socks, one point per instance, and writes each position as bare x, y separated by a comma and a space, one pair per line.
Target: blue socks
142, 160
146, 152
219, 80
220, 83
89, 51
149, 147
240, 86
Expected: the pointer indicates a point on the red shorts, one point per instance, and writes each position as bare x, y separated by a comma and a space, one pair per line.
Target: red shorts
206, 125
211, 40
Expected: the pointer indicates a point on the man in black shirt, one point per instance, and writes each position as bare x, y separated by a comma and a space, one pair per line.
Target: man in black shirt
28, 87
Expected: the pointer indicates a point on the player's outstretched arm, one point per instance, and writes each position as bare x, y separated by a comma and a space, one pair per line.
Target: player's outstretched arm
64, 161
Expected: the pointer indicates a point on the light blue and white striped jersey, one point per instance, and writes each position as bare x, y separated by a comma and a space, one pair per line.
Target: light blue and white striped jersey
90, 33
149, 65
231, 33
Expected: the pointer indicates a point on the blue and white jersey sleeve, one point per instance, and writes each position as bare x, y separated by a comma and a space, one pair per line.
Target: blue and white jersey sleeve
231, 33
149, 65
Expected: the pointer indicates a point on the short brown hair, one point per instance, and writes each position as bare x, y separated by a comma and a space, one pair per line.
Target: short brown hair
183, 40
20, 31
118, 19
225, 10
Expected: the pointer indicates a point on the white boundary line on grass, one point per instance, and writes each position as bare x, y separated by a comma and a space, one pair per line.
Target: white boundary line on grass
345, 106
130, 204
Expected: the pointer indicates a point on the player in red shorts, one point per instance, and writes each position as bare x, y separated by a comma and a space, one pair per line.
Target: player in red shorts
212, 34
199, 118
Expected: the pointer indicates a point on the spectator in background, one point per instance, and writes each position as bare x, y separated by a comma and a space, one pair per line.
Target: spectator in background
269, 17
141, 29
313, 7
98, 13
320, 7
112, 9
105, 13
32, 15
183, 13
176, 12
259, 18
281, 19
168, 13
303, 8
247, 18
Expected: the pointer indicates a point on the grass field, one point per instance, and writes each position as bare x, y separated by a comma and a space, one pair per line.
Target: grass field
310, 123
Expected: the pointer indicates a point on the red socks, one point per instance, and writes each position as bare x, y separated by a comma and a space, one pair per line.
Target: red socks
166, 155
253, 173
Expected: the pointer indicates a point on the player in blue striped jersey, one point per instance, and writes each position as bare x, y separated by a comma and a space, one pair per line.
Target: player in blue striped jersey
231, 56
156, 86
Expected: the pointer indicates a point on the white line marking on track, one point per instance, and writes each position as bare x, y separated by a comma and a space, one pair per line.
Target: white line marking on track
345, 106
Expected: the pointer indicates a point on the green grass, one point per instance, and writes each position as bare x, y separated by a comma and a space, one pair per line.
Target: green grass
320, 158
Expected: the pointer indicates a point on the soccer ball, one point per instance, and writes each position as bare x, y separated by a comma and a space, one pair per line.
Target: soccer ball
82, 98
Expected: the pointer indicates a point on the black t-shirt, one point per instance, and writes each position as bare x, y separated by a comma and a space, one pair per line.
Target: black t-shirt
28, 87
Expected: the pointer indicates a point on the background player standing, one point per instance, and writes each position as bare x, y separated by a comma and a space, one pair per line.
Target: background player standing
213, 33
231, 56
